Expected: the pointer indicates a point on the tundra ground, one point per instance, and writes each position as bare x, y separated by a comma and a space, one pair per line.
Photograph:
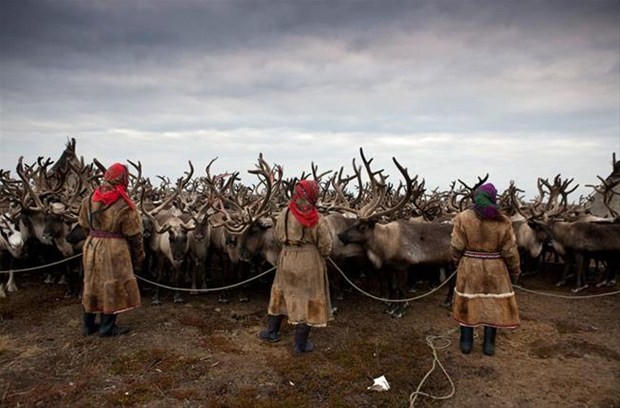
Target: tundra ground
206, 354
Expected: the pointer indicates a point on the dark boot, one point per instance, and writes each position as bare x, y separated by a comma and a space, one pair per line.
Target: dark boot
89, 327
302, 344
273, 327
467, 339
489, 340
108, 327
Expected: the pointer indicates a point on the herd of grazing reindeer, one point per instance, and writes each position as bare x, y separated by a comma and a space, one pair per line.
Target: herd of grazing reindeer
209, 231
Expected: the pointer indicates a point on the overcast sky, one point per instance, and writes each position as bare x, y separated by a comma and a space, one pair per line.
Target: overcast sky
454, 89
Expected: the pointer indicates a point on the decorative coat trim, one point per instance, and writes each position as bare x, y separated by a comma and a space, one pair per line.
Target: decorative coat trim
499, 326
482, 255
484, 295
105, 234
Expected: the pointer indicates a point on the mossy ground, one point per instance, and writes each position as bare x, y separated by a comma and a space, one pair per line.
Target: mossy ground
206, 354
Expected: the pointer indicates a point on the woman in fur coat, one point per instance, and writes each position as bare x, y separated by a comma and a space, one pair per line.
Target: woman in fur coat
111, 252
300, 289
484, 251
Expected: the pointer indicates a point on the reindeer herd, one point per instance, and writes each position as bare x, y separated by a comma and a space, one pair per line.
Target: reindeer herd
207, 230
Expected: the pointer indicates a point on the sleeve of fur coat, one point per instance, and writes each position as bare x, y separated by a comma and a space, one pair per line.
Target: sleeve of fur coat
131, 226
457, 241
324, 241
510, 252
83, 215
136, 248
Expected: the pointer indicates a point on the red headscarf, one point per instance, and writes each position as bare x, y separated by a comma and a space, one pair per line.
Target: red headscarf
303, 203
115, 182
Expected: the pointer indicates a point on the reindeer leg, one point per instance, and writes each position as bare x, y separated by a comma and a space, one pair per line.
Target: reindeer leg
335, 282
611, 271
447, 303
10, 285
401, 288
158, 271
565, 271
354, 273
580, 263
155, 301
243, 268
194, 265
386, 289
3, 261
207, 272
72, 279
178, 298
223, 298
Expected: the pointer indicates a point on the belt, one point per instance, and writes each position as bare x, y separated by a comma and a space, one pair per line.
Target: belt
294, 243
105, 234
298, 245
482, 255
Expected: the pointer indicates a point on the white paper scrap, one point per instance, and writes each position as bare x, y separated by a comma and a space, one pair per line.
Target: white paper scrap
380, 384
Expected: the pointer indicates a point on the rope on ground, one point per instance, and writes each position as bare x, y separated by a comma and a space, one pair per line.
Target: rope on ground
535, 292
260, 275
34, 268
431, 342
390, 300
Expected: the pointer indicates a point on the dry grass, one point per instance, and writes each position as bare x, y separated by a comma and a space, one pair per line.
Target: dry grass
204, 354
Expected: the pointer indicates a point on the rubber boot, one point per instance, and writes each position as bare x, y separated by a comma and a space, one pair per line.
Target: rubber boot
467, 339
489, 340
108, 327
302, 344
89, 327
273, 327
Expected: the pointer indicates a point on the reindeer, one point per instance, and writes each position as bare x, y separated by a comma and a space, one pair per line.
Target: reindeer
243, 226
198, 244
529, 236
576, 241
169, 241
394, 246
222, 244
48, 215
11, 248
224, 247
338, 208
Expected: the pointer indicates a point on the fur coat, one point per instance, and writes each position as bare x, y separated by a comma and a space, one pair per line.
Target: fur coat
300, 287
109, 283
485, 253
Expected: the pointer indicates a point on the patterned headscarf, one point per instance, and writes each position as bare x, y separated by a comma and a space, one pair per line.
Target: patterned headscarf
303, 203
115, 182
485, 201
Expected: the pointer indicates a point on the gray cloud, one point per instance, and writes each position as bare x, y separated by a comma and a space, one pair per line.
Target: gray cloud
451, 88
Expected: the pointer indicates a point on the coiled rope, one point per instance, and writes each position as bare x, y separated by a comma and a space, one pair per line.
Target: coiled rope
430, 341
